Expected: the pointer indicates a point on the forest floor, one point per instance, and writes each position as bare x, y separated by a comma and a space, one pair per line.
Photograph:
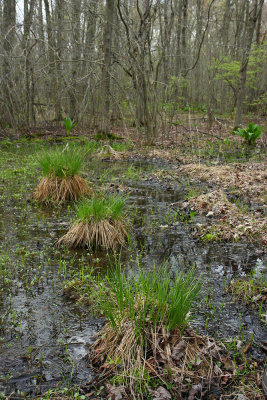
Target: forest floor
194, 197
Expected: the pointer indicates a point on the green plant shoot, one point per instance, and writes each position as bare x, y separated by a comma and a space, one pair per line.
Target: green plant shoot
69, 124
249, 134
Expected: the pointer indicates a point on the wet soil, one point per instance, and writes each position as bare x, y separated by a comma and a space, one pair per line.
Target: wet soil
43, 335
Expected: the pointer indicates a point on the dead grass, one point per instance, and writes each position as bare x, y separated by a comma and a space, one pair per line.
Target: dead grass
105, 234
108, 152
119, 346
184, 361
60, 190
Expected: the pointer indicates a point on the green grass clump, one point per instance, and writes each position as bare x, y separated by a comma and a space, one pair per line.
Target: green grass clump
61, 163
146, 317
150, 300
100, 208
98, 224
92, 146
118, 146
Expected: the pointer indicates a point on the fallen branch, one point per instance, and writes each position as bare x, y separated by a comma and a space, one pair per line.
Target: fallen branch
204, 133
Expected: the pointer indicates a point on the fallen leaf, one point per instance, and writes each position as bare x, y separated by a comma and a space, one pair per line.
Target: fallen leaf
257, 298
225, 379
194, 390
217, 370
189, 332
160, 394
227, 363
115, 392
246, 348
150, 365
242, 397
178, 351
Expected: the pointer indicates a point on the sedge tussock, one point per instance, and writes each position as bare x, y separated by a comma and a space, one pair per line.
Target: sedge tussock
98, 224
59, 190
146, 337
105, 234
138, 337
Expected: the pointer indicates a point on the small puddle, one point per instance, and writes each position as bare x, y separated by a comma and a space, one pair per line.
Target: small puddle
43, 336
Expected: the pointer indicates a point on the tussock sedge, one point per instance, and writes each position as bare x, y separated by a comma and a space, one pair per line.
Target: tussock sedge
61, 181
148, 343
98, 225
146, 320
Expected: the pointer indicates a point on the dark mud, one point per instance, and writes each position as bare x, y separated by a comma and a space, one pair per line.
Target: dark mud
43, 335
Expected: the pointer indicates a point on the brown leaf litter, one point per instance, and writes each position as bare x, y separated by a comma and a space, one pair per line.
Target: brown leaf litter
246, 179
225, 220
190, 364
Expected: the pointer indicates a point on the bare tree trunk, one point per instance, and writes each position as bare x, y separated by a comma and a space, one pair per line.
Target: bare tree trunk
90, 34
41, 35
27, 47
250, 24
8, 30
166, 22
107, 45
59, 17
240, 25
52, 67
184, 48
226, 23
258, 28
178, 11
76, 54
1, 17
197, 44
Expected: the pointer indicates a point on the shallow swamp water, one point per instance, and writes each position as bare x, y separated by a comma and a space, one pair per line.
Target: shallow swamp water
43, 335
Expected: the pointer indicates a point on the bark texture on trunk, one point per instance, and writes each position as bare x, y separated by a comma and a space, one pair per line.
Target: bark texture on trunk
8, 40
106, 69
251, 21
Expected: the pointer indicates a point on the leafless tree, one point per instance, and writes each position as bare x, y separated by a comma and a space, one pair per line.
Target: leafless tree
137, 60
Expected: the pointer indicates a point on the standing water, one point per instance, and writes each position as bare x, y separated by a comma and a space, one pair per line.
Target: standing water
44, 337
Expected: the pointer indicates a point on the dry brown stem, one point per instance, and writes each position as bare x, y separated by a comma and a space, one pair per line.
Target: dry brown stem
118, 345
60, 190
104, 234
188, 357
